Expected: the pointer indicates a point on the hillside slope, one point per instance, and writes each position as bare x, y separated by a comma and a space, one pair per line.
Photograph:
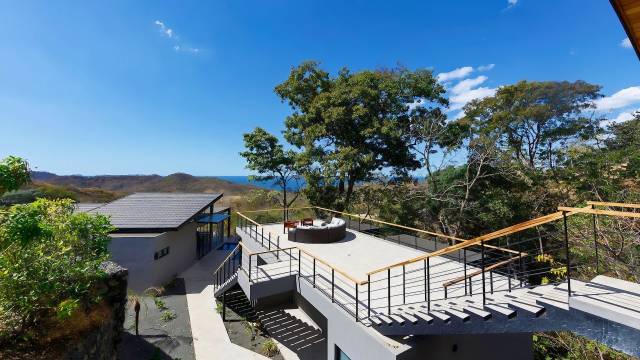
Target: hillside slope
126, 184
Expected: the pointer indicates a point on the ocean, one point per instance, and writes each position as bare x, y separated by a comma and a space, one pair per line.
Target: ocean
263, 184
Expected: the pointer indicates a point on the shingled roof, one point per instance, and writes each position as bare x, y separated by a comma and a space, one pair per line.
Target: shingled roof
155, 211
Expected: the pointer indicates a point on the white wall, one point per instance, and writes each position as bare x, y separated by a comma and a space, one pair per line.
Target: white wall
136, 253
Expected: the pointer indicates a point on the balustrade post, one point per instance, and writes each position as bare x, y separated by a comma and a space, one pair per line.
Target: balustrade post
491, 281
403, 285
368, 296
566, 248
484, 291
249, 267
299, 261
389, 291
424, 270
314, 273
428, 284
595, 241
332, 282
356, 302
464, 253
290, 261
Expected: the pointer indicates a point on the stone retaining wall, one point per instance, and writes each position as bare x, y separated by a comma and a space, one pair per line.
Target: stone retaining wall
102, 343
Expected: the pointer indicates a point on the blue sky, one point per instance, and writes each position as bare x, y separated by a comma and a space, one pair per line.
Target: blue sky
141, 87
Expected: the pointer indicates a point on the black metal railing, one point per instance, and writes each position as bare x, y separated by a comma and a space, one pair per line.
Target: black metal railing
548, 250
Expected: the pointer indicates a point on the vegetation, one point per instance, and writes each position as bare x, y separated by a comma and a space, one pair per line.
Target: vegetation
49, 264
266, 156
270, 348
510, 157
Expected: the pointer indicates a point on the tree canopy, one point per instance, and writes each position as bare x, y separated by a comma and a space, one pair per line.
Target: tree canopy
350, 126
14, 172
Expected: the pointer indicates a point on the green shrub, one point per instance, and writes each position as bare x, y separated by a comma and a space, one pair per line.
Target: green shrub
159, 303
270, 348
167, 315
49, 262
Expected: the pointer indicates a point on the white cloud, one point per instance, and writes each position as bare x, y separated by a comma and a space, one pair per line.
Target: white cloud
620, 99
486, 67
623, 116
468, 84
458, 73
178, 45
511, 3
460, 100
626, 43
164, 29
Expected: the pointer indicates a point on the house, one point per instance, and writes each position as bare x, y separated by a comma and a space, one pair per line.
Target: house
158, 235
387, 291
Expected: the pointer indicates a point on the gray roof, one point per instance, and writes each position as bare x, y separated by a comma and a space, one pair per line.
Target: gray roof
155, 211
86, 207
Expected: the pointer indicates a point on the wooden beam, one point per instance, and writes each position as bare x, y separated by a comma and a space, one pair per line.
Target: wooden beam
614, 204
600, 212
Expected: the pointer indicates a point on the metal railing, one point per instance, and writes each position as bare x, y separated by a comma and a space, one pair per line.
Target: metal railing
546, 250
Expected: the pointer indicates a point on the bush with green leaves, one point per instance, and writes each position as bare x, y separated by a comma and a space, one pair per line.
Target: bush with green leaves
14, 172
49, 263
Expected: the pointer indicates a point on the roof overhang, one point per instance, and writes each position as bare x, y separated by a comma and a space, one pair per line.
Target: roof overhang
629, 14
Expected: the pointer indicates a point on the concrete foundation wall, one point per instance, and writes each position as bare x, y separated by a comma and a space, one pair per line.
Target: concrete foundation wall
471, 347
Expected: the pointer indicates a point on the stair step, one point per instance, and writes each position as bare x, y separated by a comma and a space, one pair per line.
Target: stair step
522, 304
411, 318
501, 311
421, 315
397, 319
617, 284
476, 312
439, 315
464, 317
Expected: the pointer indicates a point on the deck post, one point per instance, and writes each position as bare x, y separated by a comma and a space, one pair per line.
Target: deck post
356, 302
368, 296
484, 297
595, 241
332, 284
428, 285
224, 305
464, 252
566, 248
424, 270
389, 291
403, 285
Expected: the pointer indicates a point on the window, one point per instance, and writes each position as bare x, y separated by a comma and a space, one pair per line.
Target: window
340, 355
162, 253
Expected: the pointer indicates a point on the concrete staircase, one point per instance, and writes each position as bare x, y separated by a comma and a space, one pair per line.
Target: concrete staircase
532, 309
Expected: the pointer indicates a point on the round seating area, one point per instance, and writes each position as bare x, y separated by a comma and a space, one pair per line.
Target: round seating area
323, 233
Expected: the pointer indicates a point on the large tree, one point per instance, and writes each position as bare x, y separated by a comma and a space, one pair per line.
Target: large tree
353, 125
265, 155
531, 121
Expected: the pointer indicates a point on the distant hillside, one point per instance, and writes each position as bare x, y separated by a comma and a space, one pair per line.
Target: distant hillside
126, 184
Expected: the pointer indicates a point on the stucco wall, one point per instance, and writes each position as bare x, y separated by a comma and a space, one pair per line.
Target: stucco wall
136, 253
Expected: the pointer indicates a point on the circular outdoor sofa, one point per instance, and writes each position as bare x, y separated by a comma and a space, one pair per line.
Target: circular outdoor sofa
324, 233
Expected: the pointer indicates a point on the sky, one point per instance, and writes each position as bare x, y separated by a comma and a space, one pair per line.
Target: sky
158, 87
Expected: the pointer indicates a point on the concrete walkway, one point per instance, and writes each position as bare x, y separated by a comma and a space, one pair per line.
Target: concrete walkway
210, 338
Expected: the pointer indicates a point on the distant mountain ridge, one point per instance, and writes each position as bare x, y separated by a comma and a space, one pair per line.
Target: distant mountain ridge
178, 182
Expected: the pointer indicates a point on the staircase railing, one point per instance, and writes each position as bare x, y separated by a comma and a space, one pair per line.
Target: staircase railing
228, 267
546, 250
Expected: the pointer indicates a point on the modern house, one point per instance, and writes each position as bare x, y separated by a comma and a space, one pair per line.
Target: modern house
158, 235
386, 291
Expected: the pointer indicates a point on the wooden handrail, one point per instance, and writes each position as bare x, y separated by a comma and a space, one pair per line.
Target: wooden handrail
333, 267
279, 209
600, 212
247, 218
614, 204
479, 271
490, 236
228, 257
392, 224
